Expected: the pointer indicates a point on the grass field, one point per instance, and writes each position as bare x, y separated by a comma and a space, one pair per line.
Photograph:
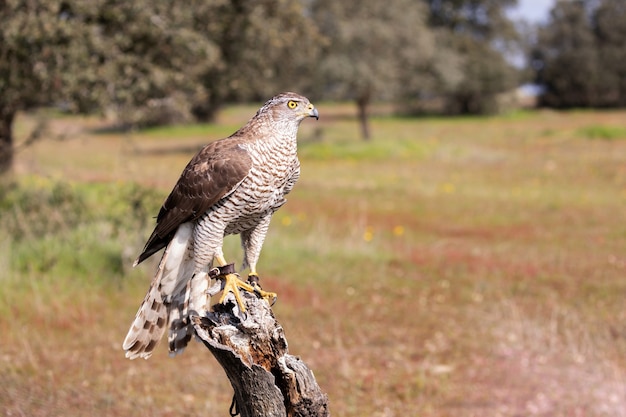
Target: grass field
449, 267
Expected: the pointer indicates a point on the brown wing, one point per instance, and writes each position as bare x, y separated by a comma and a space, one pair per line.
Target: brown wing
211, 175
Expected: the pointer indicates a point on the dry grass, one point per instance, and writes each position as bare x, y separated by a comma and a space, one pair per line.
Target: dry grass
452, 267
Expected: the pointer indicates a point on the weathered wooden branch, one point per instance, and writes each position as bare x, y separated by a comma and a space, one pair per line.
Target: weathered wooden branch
252, 349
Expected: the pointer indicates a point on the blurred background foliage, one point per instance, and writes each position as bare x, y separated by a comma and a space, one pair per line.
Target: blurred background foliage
155, 62
580, 55
45, 222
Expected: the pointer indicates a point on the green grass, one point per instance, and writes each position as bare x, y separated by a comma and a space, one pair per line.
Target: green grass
448, 267
375, 150
603, 132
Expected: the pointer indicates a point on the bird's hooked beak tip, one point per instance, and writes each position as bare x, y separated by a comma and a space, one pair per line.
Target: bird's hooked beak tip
313, 113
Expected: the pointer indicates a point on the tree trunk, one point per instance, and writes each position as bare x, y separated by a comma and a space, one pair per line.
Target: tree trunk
267, 380
362, 103
6, 140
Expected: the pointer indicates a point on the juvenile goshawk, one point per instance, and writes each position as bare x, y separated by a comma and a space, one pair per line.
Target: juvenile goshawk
232, 186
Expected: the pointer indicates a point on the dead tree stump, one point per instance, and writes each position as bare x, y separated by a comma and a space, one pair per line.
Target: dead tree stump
267, 380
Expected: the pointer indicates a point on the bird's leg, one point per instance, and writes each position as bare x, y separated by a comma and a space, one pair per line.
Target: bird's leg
251, 243
232, 284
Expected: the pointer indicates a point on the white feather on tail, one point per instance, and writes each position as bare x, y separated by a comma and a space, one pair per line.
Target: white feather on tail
173, 294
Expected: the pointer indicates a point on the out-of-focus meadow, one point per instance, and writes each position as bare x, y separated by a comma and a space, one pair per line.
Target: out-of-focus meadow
448, 267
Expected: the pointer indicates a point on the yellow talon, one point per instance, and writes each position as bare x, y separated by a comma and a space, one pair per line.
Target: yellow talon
232, 284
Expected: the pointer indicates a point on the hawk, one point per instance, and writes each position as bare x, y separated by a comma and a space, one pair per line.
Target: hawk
231, 186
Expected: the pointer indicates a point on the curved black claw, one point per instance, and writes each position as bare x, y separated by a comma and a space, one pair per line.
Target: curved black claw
271, 297
254, 279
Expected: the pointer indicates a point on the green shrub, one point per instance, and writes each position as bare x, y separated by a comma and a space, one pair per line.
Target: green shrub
33, 211
61, 230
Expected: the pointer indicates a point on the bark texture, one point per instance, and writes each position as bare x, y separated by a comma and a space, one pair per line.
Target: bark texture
252, 349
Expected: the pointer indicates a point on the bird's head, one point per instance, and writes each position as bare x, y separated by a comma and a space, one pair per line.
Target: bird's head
290, 106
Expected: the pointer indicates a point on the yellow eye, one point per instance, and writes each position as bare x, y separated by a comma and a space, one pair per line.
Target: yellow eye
292, 104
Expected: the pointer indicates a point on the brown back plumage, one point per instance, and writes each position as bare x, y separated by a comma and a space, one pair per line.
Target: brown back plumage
210, 176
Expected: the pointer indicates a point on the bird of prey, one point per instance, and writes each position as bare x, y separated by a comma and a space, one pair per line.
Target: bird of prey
231, 186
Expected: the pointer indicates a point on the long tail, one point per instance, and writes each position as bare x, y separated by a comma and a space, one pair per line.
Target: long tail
191, 300
168, 300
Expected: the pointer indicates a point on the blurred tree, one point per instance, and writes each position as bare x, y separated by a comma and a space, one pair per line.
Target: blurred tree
264, 46
373, 49
129, 57
145, 60
36, 44
610, 29
566, 56
580, 56
469, 68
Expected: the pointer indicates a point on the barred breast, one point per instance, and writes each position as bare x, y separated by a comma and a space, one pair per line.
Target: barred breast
272, 176
274, 171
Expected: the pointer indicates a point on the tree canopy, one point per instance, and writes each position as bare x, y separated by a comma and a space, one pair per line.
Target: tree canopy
579, 55
263, 47
38, 58
470, 69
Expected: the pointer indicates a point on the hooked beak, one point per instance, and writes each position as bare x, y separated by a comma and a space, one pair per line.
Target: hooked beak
313, 112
